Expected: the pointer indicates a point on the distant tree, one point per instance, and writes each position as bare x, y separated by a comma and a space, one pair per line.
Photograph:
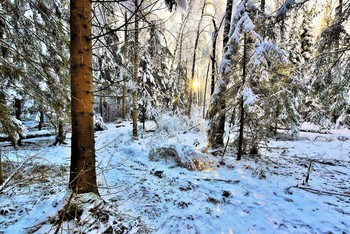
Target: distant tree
194, 58
306, 36
135, 73
330, 81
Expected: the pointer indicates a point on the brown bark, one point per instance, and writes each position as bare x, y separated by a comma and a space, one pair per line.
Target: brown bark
60, 136
82, 171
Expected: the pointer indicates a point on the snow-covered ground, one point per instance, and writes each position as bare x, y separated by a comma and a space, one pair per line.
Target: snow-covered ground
261, 194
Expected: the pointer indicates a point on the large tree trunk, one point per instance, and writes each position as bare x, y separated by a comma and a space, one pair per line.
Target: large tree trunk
136, 74
82, 171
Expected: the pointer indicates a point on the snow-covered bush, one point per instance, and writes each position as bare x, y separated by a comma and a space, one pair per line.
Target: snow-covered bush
183, 156
99, 125
170, 124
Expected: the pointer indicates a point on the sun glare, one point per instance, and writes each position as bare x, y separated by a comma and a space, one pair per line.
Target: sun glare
195, 84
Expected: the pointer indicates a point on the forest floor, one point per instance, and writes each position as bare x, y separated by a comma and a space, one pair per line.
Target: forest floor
260, 194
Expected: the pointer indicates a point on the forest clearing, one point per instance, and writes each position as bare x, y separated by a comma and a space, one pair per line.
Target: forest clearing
264, 194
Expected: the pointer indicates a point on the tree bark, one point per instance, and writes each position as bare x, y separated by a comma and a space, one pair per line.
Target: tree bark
205, 90
213, 58
228, 17
41, 116
18, 108
262, 5
101, 105
1, 176
125, 63
82, 170
241, 122
217, 127
136, 74
60, 136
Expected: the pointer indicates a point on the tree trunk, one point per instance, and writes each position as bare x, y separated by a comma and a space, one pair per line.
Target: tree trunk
125, 63
221, 127
136, 74
205, 90
18, 108
1, 176
5, 120
262, 5
82, 170
41, 116
262, 24
60, 137
213, 59
194, 61
228, 17
100, 107
217, 127
241, 122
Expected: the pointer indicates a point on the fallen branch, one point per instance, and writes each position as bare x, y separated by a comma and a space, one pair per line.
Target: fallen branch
319, 192
220, 180
62, 213
315, 131
194, 126
29, 136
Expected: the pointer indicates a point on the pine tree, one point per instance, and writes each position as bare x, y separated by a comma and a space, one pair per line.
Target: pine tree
216, 111
250, 60
306, 37
83, 171
330, 82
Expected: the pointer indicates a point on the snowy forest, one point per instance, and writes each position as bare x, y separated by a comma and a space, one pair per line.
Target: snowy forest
174, 116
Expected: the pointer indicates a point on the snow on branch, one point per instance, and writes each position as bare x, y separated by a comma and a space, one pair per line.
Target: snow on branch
266, 50
286, 6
